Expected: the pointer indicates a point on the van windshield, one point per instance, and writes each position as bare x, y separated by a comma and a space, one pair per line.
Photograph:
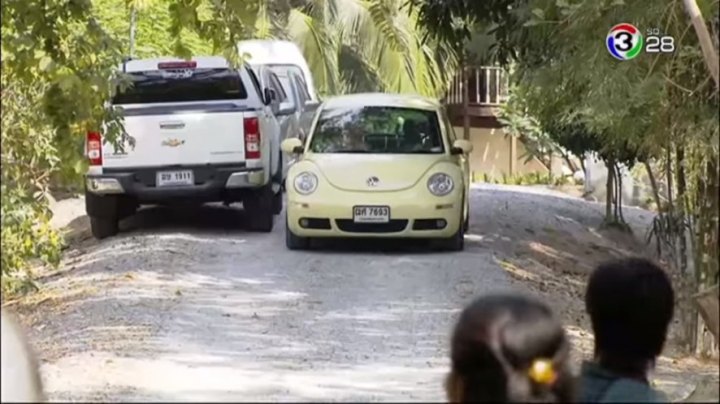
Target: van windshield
284, 69
158, 86
377, 129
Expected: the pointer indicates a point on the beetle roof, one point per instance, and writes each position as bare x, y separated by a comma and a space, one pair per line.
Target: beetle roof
382, 100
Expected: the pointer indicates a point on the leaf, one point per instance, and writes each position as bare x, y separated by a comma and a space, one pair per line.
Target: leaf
539, 13
45, 63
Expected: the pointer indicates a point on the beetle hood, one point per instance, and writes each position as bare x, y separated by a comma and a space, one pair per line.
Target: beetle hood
373, 172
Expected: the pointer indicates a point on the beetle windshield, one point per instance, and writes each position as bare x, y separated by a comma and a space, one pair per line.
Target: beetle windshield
376, 129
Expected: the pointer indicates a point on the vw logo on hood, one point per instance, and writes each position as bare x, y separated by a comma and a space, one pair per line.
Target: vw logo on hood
373, 181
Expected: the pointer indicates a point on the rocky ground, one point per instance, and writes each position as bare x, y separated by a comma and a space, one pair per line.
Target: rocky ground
186, 305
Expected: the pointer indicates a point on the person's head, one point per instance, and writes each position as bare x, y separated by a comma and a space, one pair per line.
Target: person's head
20, 373
508, 348
630, 303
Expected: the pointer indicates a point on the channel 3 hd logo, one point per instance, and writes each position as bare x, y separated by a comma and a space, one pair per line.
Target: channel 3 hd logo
625, 42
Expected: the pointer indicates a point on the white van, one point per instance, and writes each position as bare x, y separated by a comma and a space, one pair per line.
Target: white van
297, 96
279, 55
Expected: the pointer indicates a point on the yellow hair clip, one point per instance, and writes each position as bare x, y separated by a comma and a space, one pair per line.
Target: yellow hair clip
542, 372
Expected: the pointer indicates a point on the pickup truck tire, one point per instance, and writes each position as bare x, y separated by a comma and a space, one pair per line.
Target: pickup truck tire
104, 226
278, 202
293, 242
259, 209
277, 177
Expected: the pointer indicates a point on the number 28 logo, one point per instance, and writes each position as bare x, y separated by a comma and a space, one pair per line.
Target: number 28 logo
625, 42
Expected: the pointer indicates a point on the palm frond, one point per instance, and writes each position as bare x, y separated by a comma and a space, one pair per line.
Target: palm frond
319, 48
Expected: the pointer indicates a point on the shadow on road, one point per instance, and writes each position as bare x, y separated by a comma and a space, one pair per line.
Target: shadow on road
200, 218
220, 219
189, 305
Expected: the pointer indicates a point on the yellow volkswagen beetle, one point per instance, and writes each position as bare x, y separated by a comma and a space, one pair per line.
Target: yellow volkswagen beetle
378, 165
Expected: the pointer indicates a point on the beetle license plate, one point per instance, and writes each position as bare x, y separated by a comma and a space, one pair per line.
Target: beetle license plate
371, 214
175, 178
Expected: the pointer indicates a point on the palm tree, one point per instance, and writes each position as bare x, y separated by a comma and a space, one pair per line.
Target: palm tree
362, 45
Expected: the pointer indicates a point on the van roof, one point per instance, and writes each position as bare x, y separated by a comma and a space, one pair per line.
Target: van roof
203, 62
382, 100
277, 52
267, 51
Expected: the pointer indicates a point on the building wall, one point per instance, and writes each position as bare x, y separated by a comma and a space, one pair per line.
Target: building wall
491, 155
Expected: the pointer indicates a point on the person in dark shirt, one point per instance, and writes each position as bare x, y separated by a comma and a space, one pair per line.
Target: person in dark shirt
508, 348
630, 303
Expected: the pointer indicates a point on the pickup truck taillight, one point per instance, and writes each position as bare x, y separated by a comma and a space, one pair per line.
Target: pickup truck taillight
252, 138
94, 148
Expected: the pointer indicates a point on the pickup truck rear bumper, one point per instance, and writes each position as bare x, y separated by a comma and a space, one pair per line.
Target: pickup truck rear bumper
212, 183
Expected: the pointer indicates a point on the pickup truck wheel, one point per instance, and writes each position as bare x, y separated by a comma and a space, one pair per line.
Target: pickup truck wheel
294, 242
278, 176
104, 226
259, 209
278, 202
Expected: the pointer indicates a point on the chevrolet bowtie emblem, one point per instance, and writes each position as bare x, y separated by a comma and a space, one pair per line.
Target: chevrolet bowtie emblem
173, 142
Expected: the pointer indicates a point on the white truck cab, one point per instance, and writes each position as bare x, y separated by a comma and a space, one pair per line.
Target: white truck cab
196, 131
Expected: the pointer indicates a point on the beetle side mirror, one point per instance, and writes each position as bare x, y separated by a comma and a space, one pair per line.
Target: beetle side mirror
461, 146
292, 146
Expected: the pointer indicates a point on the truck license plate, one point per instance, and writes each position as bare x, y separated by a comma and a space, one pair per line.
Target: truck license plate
371, 214
175, 178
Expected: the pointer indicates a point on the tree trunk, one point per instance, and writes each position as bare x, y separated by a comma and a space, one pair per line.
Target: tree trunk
707, 302
616, 181
709, 53
133, 23
706, 255
653, 185
609, 188
683, 207
466, 100
668, 178
619, 181
569, 162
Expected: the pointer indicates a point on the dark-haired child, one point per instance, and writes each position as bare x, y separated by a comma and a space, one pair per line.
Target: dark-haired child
630, 303
508, 348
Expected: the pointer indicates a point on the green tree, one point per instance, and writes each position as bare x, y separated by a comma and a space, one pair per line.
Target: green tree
654, 107
56, 71
59, 62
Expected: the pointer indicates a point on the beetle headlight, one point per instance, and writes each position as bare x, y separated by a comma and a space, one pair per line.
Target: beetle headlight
440, 184
306, 183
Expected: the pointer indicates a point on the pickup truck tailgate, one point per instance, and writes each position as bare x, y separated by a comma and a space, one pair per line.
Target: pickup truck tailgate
178, 114
203, 135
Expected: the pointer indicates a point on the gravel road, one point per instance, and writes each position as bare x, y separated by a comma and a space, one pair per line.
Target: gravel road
185, 305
